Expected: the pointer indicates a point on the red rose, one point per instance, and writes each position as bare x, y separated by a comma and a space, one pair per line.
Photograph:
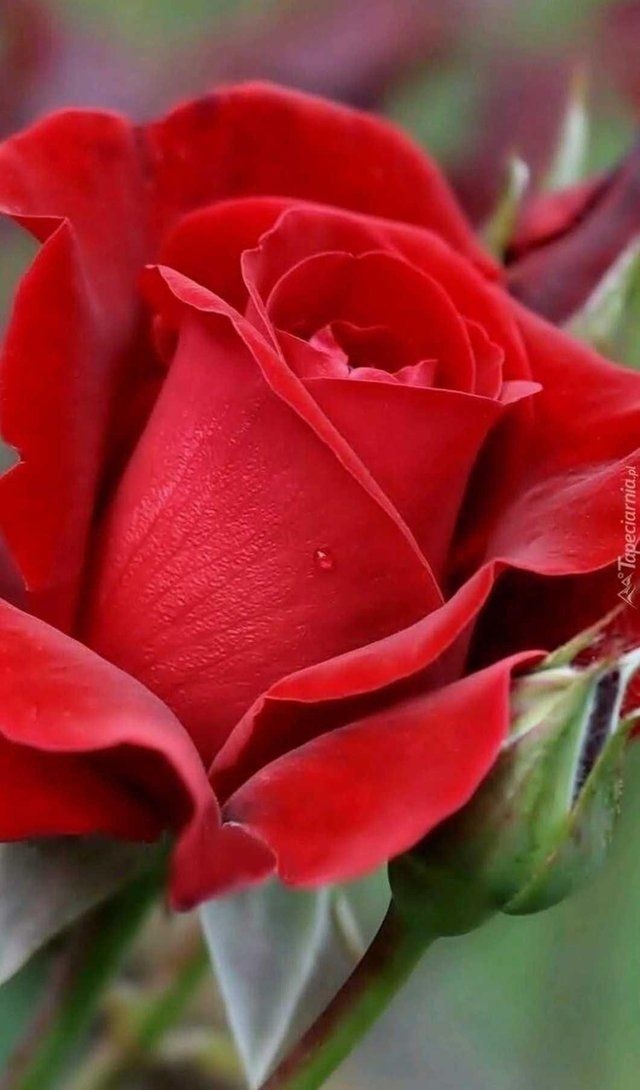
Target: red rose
267, 487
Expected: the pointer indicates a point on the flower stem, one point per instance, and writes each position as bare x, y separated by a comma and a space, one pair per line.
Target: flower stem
394, 953
95, 950
158, 1015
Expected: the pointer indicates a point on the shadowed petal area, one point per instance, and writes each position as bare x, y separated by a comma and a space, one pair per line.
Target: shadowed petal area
246, 539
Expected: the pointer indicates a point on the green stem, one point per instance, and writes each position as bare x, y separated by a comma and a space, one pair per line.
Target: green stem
158, 1016
394, 953
165, 1011
96, 949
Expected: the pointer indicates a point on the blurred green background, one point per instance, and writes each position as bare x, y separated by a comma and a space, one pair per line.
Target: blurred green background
523, 1004
546, 1001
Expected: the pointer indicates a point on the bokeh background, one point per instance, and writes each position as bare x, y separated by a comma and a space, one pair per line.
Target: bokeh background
550, 1001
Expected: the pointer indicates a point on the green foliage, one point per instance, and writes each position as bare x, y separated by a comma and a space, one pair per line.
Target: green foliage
609, 320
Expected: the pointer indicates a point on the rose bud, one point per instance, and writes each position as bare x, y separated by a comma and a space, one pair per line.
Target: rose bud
542, 820
569, 238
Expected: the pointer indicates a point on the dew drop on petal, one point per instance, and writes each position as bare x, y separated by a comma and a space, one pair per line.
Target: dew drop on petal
323, 559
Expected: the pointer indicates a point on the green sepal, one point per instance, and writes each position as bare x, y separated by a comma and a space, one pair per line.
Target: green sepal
569, 162
542, 820
498, 230
609, 320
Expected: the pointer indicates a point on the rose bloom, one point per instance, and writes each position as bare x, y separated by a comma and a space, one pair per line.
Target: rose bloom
299, 486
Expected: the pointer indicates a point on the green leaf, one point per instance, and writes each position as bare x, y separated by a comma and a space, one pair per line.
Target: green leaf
9, 456
46, 885
280, 955
19, 998
498, 230
609, 320
569, 163
626, 343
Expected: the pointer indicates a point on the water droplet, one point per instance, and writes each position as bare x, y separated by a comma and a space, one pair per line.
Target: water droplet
324, 559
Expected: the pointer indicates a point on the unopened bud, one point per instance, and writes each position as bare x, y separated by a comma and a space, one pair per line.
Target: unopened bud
542, 820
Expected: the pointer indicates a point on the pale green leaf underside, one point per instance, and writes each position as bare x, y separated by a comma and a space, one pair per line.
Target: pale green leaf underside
280, 955
46, 885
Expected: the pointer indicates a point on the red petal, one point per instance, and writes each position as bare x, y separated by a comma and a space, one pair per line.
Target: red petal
74, 181
376, 288
322, 697
244, 521
401, 432
62, 705
258, 139
587, 228
86, 749
101, 195
565, 516
227, 229
350, 799
207, 244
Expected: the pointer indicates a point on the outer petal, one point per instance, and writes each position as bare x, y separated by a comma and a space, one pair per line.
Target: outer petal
300, 230
259, 139
329, 695
75, 181
348, 800
244, 521
557, 506
85, 748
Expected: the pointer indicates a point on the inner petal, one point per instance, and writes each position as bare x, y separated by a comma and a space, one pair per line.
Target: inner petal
382, 312
324, 357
